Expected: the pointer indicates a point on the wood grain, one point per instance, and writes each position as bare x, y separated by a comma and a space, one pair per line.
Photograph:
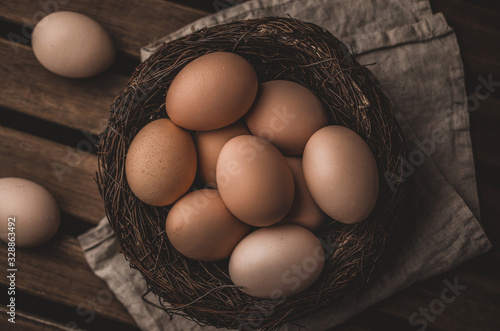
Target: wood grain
52, 263
485, 135
27, 87
27, 322
489, 198
130, 24
41, 160
475, 308
58, 271
477, 30
490, 4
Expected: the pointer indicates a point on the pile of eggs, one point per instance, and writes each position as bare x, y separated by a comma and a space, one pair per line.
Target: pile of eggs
274, 170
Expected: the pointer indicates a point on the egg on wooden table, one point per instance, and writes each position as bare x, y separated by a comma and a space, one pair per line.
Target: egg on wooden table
161, 163
211, 92
72, 45
341, 173
277, 261
30, 209
208, 146
254, 180
201, 227
286, 114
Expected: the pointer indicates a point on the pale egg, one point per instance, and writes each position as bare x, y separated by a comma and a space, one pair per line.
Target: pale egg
72, 45
29, 215
341, 173
277, 262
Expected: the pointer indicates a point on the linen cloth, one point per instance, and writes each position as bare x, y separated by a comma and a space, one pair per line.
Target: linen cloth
416, 59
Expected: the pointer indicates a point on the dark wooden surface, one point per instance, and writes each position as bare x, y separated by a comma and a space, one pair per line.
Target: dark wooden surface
45, 120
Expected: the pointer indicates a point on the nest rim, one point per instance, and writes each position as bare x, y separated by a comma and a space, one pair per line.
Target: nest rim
202, 291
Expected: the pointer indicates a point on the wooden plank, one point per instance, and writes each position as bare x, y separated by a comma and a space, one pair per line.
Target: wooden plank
58, 271
485, 135
28, 322
84, 104
210, 6
489, 198
490, 4
477, 29
131, 24
43, 267
348, 327
34, 158
27, 87
66, 172
475, 308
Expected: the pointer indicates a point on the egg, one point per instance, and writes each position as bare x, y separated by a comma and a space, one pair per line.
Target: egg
304, 212
72, 45
200, 226
341, 174
208, 146
254, 180
277, 262
161, 163
211, 92
29, 210
286, 114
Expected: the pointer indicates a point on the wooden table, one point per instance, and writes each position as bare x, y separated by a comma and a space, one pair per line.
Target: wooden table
48, 122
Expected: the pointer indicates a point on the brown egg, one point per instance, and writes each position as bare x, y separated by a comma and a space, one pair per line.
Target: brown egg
277, 262
286, 114
254, 180
200, 226
29, 210
211, 92
304, 212
208, 146
341, 174
161, 163
72, 45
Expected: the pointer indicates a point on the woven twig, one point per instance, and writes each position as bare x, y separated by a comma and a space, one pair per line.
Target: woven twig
278, 48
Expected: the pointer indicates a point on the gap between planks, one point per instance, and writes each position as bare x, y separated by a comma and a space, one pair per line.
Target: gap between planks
131, 24
42, 268
27, 87
58, 271
66, 172
29, 322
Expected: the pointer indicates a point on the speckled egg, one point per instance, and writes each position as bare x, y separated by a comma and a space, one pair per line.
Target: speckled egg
161, 163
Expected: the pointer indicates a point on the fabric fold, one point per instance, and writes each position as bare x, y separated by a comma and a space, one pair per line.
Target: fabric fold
415, 57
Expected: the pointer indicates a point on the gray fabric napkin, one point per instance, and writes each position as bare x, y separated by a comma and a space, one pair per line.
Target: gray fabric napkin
415, 57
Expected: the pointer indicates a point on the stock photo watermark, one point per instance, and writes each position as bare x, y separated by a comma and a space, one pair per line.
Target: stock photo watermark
426, 147
436, 307
74, 157
473, 101
11, 269
47, 7
293, 276
91, 307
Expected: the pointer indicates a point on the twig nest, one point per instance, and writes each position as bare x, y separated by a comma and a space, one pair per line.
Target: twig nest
276, 49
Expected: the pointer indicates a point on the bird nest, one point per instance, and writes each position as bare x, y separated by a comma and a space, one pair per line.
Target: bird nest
277, 48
